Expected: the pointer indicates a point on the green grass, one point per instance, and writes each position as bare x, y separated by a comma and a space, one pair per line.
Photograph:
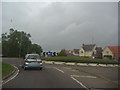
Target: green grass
6, 69
0, 70
80, 60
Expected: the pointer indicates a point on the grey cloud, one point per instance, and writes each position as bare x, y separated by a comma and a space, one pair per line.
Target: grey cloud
64, 25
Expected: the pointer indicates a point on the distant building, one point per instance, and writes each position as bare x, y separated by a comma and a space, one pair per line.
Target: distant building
90, 50
76, 52
69, 52
98, 53
111, 52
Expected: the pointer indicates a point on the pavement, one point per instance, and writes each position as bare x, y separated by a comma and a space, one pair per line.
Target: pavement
62, 75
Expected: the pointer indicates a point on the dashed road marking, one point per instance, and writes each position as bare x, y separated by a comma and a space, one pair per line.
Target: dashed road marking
59, 70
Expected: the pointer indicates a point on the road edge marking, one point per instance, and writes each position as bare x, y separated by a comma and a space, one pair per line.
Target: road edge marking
11, 77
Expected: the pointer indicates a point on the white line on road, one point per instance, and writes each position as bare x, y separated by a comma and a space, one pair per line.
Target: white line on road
11, 77
59, 70
83, 76
79, 83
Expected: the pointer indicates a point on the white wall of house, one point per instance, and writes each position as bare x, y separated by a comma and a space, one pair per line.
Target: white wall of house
88, 53
81, 52
107, 51
75, 54
84, 53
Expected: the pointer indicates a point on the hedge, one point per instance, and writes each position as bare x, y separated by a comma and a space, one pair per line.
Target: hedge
80, 60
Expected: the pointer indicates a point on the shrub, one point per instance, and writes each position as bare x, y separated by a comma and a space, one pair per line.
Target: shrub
80, 60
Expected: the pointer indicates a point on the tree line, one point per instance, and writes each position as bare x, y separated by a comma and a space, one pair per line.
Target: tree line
18, 44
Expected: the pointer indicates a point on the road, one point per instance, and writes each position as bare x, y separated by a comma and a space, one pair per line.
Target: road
63, 76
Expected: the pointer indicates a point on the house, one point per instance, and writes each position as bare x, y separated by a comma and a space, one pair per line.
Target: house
90, 50
111, 52
69, 52
76, 52
98, 53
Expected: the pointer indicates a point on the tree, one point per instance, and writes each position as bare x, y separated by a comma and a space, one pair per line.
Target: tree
0, 48
18, 43
4, 44
62, 53
35, 48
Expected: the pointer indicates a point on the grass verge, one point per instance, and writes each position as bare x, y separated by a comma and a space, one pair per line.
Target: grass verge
80, 60
6, 69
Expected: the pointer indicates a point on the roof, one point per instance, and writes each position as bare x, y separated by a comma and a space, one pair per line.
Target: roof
76, 50
99, 49
68, 51
114, 49
88, 47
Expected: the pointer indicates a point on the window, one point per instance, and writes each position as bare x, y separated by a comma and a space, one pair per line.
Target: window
81, 51
33, 57
107, 52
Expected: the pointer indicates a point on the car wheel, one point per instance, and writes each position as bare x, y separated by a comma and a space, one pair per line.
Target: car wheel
24, 68
40, 68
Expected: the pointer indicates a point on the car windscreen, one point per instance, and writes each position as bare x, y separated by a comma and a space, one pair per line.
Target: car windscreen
33, 57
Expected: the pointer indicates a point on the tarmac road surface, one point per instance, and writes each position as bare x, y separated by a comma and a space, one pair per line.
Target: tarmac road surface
63, 76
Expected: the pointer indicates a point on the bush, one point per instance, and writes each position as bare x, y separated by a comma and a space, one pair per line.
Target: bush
80, 60
62, 53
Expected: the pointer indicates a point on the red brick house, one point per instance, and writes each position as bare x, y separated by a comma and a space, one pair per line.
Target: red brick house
111, 52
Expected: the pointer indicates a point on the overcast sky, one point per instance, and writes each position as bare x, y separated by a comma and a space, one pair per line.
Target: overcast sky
58, 25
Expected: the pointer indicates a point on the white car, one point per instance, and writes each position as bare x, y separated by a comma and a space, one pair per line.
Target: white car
32, 61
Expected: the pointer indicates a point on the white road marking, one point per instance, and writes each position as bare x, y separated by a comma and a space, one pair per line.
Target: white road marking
79, 83
11, 77
83, 76
59, 70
